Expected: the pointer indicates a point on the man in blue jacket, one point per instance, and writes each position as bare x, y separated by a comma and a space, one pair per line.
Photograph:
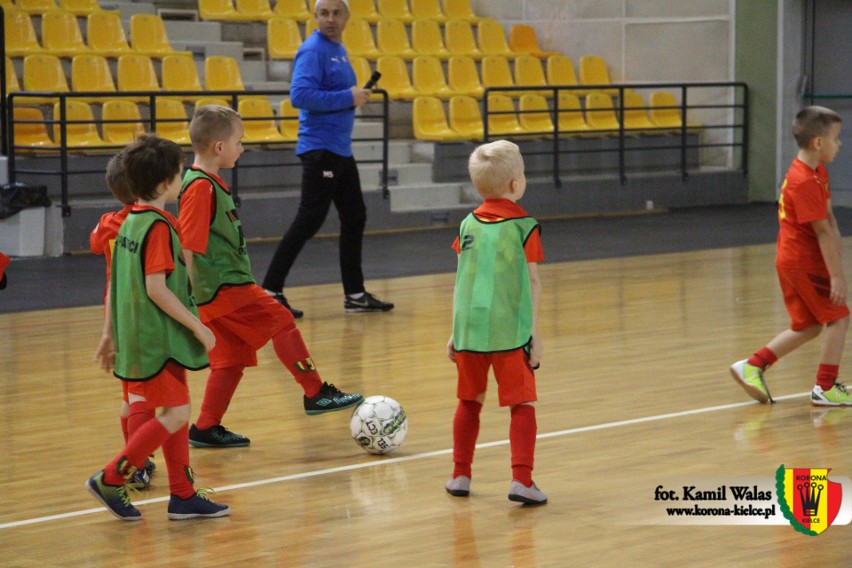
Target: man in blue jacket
323, 88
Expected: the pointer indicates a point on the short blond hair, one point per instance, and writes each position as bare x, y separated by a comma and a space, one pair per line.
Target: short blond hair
493, 166
812, 122
211, 124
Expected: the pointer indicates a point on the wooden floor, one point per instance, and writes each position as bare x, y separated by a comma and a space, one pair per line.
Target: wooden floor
634, 392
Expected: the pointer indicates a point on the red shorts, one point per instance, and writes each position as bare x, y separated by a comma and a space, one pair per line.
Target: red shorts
166, 389
515, 377
240, 333
806, 295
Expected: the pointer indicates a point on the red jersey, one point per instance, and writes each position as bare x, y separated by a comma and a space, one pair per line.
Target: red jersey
805, 197
158, 243
499, 209
102, 237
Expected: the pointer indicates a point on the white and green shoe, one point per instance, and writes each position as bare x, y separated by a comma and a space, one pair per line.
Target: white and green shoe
835, 396
751, 379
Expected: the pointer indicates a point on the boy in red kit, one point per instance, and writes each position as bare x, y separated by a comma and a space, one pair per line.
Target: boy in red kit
809, 265
240, 313
495, 316
157, 334
101, 241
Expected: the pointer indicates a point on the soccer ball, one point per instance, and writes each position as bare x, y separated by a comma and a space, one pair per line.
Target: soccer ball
379, 424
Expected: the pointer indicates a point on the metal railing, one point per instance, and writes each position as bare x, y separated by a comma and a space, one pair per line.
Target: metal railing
734, 128
61, 151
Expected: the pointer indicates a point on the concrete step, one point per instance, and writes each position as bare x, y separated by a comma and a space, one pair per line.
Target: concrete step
409, 198
195, 32
398, 175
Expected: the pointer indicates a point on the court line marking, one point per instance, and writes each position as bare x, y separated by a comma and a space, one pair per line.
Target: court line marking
401, 459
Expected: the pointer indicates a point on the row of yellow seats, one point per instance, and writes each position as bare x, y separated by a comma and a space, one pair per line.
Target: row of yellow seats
536, 117
37, 7
61, 35
427, 75
91, 73
262, 10
121, 122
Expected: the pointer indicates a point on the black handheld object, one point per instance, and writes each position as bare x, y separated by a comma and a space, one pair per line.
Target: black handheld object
374, 78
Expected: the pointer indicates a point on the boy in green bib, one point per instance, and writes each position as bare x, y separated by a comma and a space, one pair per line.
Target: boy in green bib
495, 316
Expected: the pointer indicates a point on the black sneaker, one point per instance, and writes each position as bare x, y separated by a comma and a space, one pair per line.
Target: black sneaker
216, 437
113, 497
329, 399
282, 299
366, 303
196, 507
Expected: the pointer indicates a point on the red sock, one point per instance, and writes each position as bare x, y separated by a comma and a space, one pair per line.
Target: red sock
293, 352
142, 444
140, 413
763, 358
465, 433
221, 385
826, 375
176, 454
522, 431
124, 428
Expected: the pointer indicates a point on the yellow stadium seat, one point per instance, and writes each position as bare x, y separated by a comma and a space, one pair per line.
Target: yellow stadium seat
259, 121
283, 38
91, 73
535, 115
179, 73
294, 9
428, 78
522, 37
665, 111
80, 7
571, 119
106, 34
289, 120
363, 10
212, 101
427, 10
506, 119
35, 7
80, 128
358, 39
392, 39
463, 78
593, 71
395, 78
21, 38
130, 126
529, 73
32, 133
466, 118
311, 25
394, 10
496, 73
459, 10
561, 73
172, 122
220, 11
635, 113
600, 114
492, 39
222, 73
459, 39
362, 69
426, 39
255, 10
148, 36
43, 73
60, 34
12, 83
136, 73
430, 121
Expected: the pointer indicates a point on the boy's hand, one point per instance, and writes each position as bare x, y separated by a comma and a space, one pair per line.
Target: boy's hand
105, 353
536, 350
205, 336
451, 350
838, 291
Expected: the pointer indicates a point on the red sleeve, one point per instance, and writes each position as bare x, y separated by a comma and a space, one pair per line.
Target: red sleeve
532, 248
196, 211
158, 249
456, 246
102, 234
811, 202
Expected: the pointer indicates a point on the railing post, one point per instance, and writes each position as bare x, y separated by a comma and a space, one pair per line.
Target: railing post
683, 171
4, 117
235, 171
385, 136
557, 180
745, 129
63, 155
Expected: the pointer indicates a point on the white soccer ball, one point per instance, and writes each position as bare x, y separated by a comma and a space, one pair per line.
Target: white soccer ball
379, 424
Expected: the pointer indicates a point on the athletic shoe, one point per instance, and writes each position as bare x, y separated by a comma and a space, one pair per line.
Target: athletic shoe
113, 497
366, 303
140, 479
281, 299
150, 467
751, 379
458, 486
835, 396
216, 437
330, 399
526, 495
197, 506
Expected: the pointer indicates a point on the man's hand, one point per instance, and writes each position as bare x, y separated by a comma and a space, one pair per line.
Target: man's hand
360, 96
